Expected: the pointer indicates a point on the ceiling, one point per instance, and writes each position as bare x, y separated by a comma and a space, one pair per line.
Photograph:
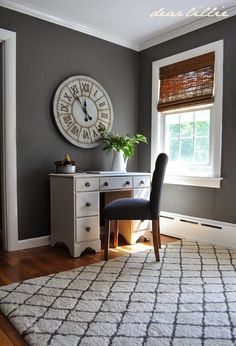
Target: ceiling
126, 22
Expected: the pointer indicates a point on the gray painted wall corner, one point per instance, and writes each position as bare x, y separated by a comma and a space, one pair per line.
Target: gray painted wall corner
216, 204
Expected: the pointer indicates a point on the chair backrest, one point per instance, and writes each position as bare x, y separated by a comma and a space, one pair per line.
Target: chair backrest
157, 184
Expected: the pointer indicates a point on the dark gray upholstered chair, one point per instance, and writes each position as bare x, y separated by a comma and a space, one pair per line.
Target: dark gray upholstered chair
138, 209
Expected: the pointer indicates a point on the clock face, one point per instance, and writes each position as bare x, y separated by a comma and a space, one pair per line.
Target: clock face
81, 106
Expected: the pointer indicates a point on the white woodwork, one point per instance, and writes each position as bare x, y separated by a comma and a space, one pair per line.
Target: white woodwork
141, 225
132, 28
9, 163
87, 184
193, 228
69, 22
87, 204
141, 192
87, 228
158, 130
132, 230
77, 225
114, 183
80, 247
33, 242
62, 212
141, 181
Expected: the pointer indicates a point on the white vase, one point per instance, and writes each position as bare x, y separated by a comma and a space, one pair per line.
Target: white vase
119, 162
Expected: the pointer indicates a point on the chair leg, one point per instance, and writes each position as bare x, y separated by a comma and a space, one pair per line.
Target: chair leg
159, 233
107, 239
155, 239
116, 232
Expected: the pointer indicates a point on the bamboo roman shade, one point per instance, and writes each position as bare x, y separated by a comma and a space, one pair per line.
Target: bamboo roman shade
187, 83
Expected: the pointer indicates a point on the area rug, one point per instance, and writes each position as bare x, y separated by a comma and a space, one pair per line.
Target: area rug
189, 298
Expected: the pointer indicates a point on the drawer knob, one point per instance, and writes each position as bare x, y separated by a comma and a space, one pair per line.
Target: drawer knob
88, 204
127, 182
141, 182
106, 183
87, 184
88, 229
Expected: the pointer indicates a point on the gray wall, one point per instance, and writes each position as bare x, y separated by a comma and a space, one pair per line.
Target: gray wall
46, 55
217, 204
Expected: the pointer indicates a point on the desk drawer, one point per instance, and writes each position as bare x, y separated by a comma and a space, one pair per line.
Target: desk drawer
86, 184
87, 204
87, 229
142, 181
114, 183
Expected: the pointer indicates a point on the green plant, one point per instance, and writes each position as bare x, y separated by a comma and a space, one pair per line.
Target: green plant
126, 144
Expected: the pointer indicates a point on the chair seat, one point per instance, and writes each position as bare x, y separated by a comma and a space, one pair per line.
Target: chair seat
128, 209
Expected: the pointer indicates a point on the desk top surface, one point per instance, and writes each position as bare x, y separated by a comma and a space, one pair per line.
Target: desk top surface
98, 174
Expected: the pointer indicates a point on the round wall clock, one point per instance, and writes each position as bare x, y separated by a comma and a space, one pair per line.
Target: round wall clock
81, 106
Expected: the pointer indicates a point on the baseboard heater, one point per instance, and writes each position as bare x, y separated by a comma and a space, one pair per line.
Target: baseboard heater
167, 217
193, 228
192, 222
188, 221
207, 225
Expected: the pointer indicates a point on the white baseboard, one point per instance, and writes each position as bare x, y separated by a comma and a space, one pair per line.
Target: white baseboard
176, 225
33, 242
197, 229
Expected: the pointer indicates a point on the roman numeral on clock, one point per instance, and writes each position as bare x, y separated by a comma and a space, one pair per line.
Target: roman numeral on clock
85, 134
68, 120
67, 96
102, 104
74, 89
101, 126
85, 87
95, 134
64, 108
75, 130
104, 115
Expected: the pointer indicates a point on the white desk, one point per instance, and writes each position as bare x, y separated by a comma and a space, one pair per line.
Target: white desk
75, 207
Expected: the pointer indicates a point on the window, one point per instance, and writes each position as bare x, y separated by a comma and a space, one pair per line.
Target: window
187, 142
187, 125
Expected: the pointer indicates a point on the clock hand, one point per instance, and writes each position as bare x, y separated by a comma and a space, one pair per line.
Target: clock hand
85, 110
83, 106
77, 98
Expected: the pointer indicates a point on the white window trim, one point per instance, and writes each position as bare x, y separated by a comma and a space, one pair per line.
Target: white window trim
216, 134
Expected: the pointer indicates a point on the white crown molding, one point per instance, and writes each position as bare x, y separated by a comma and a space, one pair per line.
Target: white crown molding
68, 23
164, 36
184, 29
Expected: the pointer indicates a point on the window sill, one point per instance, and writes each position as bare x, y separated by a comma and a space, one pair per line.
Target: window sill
213, 182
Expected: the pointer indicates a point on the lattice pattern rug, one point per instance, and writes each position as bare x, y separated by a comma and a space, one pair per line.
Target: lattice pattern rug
189, 298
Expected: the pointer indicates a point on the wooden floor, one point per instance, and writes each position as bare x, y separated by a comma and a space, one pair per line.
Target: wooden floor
26, 264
